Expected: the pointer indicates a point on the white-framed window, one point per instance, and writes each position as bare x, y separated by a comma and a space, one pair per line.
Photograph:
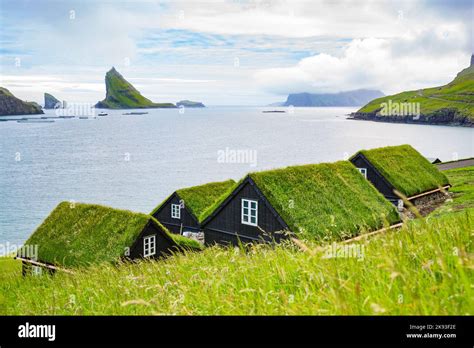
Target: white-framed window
36, 270
249, 212
175, 211
400, 205
149, 246
363, 171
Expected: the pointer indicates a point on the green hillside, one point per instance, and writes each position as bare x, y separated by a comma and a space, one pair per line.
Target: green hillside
449, 104
122, 95
423, 269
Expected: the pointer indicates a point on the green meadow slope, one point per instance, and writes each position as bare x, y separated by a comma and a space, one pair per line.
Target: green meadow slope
426, 268
451, 104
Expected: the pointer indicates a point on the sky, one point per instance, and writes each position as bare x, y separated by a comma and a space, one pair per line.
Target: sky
231, 52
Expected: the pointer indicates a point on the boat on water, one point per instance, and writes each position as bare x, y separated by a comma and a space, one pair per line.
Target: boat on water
273, 111
102, 114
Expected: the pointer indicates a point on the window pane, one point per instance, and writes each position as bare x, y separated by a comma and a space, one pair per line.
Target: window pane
253, 220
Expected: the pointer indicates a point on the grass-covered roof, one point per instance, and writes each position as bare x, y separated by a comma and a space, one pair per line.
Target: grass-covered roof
82, 234
198, 198
406, 169
325, 201
322, 201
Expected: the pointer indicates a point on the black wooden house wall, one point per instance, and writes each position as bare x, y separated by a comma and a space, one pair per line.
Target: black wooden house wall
375, 177
224, 226
187, 221
164, 245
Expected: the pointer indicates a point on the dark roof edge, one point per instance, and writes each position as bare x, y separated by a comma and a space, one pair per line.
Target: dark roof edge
360, 154
247, 180
225, 201
268, 204
162, 204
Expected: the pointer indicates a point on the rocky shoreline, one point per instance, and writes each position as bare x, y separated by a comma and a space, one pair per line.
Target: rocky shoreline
442, 117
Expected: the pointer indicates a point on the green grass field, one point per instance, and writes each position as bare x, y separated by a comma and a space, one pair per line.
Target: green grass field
425, 268
462, 180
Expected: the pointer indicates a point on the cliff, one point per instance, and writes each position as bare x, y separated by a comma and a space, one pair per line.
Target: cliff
11, 105
348, 98
50, 102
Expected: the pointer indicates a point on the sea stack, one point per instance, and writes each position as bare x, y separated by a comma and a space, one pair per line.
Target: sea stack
50, 102
11, 105
120, 94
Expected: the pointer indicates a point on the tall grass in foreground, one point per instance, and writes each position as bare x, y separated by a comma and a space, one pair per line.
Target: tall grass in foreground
425, 268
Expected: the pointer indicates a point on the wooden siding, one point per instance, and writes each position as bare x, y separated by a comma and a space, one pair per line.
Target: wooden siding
187, 221
225, 227
164, 245
374, 176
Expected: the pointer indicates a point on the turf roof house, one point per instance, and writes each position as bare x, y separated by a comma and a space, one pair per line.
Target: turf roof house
403, 169
330, 201
181, 212
84, 234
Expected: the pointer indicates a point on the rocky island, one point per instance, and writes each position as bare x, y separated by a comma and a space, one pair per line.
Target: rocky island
11, 105
190, 104
120, 94
348, 98
50, 102
451, 104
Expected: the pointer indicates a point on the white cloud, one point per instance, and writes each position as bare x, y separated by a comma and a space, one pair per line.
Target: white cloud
372, 63
310, 18
390, 45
